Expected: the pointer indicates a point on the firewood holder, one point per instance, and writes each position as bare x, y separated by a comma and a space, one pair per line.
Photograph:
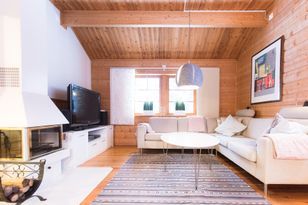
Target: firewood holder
20, 170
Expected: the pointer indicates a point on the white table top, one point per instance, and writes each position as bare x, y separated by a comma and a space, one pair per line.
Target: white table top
190, 139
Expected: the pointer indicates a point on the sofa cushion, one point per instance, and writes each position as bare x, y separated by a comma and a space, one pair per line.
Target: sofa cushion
164, 124
294, 112
196, 124
183, 124
152, 137
225, 140
257, 127
245, 113
211, 124
246, 149
230, 127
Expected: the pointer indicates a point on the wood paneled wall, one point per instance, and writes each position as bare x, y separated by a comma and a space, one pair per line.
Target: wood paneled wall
291, 21
125, 135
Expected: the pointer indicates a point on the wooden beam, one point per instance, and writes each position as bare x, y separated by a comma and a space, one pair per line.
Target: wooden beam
207, 19
157, 63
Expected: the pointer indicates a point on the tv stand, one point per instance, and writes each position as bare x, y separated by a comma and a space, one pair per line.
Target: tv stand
85, 127
86, 144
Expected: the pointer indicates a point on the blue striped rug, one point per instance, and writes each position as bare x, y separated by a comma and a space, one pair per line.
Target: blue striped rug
156, 179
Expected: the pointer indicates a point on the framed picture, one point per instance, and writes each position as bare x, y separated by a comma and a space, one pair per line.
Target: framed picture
266, 73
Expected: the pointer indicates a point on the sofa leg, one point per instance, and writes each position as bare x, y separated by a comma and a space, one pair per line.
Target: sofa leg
265, 189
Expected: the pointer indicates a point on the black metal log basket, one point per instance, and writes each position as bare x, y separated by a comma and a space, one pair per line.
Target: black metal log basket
27, 172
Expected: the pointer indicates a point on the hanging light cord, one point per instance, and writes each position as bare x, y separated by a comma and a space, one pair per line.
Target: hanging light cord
189, 53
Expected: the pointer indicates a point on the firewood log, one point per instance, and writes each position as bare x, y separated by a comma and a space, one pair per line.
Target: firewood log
25, 182
8, 190
12, 182
13, 197
31, 182
15, 189
24, 189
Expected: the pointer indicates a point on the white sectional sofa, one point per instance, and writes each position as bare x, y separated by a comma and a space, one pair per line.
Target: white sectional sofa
250, 150
255, 153
160, 125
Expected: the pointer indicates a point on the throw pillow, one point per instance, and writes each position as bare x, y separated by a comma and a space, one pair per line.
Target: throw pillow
282, 125
148, 127
277, 119
230, 127
220, 120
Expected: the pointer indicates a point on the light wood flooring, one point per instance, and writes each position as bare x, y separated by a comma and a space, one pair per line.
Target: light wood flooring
278, 195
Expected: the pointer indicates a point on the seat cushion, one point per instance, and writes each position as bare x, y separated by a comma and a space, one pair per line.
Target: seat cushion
245, 149
164, 124
152, 137
224, 140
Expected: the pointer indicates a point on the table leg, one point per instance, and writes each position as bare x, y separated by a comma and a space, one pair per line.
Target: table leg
197, 166
182, 153
166, 157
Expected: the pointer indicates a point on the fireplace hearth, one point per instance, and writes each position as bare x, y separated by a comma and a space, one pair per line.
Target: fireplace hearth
29, 143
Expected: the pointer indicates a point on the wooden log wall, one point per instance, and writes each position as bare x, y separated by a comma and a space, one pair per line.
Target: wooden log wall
291, 21
125, 135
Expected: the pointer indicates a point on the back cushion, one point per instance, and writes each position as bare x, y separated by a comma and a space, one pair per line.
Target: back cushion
300, 121
211, 124
257, 127
183, 124
196, 124
164, 124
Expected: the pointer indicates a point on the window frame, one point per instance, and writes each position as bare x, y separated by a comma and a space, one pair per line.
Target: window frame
159, 89
194, 101
164, 94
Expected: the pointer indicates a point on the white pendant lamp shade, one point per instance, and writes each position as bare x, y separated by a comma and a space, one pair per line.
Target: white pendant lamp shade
189, 75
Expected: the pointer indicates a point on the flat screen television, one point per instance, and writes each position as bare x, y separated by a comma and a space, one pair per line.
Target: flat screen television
84, 106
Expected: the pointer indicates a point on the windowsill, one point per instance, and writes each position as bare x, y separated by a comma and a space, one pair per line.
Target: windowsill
163, 115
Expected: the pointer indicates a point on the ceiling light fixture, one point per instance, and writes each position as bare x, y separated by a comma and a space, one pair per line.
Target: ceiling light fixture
189, 75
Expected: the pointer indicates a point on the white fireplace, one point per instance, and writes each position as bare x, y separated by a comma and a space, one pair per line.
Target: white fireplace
29, 143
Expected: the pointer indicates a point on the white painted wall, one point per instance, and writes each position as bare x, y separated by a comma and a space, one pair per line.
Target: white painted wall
50, 57
10, 34
34, 50
67, 60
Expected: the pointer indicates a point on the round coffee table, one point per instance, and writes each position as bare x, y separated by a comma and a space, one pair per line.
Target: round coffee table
191, 140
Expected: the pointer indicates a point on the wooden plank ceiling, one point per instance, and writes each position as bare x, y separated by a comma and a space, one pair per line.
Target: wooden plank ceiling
151, 41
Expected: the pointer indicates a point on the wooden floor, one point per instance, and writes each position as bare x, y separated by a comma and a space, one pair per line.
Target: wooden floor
278, 195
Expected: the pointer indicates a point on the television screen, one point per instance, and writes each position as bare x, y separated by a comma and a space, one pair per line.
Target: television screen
84, 105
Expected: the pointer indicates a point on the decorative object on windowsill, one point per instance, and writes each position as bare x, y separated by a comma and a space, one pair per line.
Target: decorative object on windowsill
266, 77
20, 180
306, 103
148, 108
179, 108
189, 75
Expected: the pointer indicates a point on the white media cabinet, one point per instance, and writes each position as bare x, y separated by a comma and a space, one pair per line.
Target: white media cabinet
86, 144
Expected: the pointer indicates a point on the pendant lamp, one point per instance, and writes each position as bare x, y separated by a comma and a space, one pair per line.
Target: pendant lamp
189, 75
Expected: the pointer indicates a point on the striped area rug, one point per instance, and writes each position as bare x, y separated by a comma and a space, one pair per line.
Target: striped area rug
157, 179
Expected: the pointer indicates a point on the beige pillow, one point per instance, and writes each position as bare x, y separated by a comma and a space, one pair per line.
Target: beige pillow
230, 127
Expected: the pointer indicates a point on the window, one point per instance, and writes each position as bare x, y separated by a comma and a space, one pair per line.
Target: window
178, 94
147, 90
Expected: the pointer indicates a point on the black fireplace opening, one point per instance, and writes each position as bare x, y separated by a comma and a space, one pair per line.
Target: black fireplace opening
44, 140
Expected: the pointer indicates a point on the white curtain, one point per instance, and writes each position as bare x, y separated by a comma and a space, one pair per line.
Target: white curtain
122, 96
208, 94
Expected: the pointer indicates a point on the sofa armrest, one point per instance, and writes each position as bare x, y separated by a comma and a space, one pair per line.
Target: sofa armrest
211, 124
141, 132
265, 157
